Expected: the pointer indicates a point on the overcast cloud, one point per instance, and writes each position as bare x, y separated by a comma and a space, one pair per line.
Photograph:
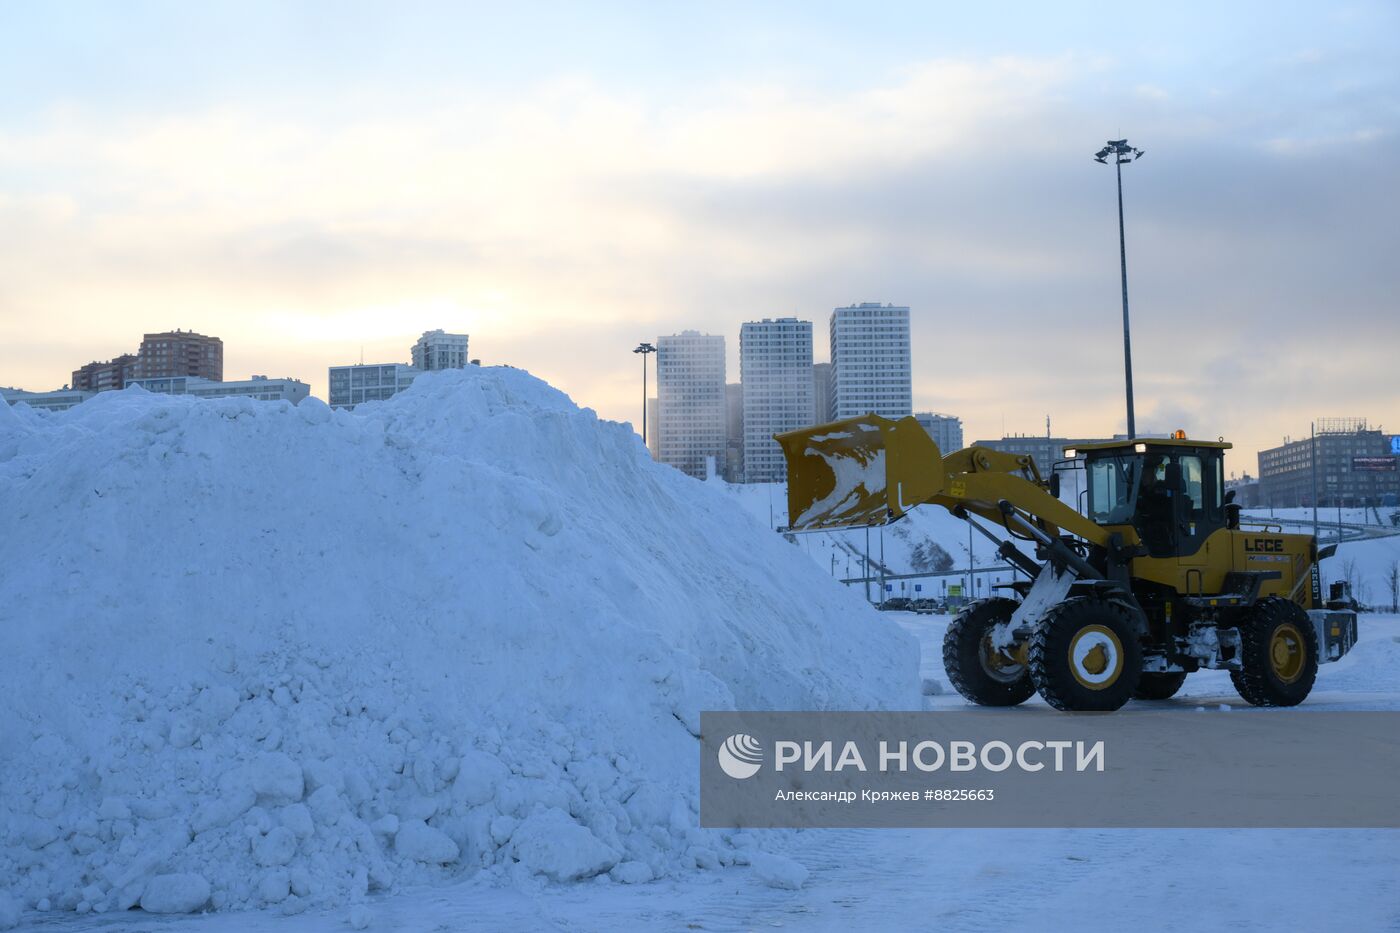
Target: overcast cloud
318, 181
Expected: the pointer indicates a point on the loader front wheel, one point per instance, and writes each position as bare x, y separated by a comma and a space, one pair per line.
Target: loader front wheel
1278, 652
977, 669
1085, 656
1159, 686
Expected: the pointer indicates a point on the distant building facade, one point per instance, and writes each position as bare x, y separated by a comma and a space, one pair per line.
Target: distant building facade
103, 377
258, 387
1356, 466
691, 400
60, 400
1043, 450
180, 353
348, 386
870, 361
734, 432
821, 393
1246, 490
438, 350
946, 430
775, 370
653, 428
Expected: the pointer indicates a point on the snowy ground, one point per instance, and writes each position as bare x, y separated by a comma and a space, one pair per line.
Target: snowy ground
959, 879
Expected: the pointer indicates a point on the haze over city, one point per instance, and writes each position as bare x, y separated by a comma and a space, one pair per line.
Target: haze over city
283, 179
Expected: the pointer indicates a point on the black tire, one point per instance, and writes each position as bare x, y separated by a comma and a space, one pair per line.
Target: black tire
1102, 633
1159, 686
965, 659
1278, 651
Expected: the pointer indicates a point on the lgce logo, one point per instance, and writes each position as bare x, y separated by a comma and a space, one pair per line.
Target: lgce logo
741, 756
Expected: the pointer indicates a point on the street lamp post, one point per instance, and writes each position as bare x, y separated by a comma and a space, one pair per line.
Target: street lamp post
1122, 152
644, 349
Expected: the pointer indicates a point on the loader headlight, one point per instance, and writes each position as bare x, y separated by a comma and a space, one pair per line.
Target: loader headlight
1140, 448
1070, 453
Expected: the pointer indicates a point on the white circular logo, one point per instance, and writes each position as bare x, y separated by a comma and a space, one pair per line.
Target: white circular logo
741, 756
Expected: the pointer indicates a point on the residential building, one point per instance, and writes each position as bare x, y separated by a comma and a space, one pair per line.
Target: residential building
437, 350
258, 387
870, 361
1356, 466
734, 432
690, 397
180, 353
775, 370
59, 400
102, 377
368, 382
946, 430
821, 393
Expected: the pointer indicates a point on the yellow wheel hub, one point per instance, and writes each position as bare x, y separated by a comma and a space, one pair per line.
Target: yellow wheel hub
1288, 652
1004, 664
1095, 657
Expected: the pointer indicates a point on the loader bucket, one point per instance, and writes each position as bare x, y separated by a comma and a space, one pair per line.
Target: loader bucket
861, 471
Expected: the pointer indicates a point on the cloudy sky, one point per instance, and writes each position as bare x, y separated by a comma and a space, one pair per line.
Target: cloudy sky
313, 181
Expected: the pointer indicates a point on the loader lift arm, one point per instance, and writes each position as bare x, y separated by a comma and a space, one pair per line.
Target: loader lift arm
872, 470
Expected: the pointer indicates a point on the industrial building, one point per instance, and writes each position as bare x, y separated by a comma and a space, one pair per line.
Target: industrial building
258, 387
348, 386
1349, 463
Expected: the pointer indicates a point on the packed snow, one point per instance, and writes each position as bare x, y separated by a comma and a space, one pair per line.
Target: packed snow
256, 655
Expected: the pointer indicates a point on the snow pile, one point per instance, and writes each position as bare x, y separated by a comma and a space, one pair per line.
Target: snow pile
254, 654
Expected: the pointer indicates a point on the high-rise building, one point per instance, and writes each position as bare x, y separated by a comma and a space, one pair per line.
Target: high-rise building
821, 393
946, 430
775, 369
734, 432
1356, 466
101, 377
180, 353
690, 398
351, 385
437, 350
870, 362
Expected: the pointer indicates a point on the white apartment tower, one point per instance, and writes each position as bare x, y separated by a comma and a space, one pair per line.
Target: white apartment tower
775, 369
690, 401
437, 350
870, 369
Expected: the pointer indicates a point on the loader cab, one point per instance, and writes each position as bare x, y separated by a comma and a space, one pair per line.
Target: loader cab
1171, 490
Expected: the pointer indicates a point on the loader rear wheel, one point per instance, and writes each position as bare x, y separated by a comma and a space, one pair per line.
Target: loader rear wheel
1278, 651
977, 670
1085, 656
1159, 686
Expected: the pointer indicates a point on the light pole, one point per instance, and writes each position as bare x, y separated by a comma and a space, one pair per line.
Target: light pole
1121, 151
644, 349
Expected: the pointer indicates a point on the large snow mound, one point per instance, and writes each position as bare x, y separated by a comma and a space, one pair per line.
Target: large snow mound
256, 654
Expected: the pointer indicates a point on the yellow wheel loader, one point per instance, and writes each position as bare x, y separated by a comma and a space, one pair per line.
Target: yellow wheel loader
1155, 578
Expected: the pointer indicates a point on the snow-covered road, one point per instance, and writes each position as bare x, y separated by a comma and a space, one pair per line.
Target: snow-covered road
958, 879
